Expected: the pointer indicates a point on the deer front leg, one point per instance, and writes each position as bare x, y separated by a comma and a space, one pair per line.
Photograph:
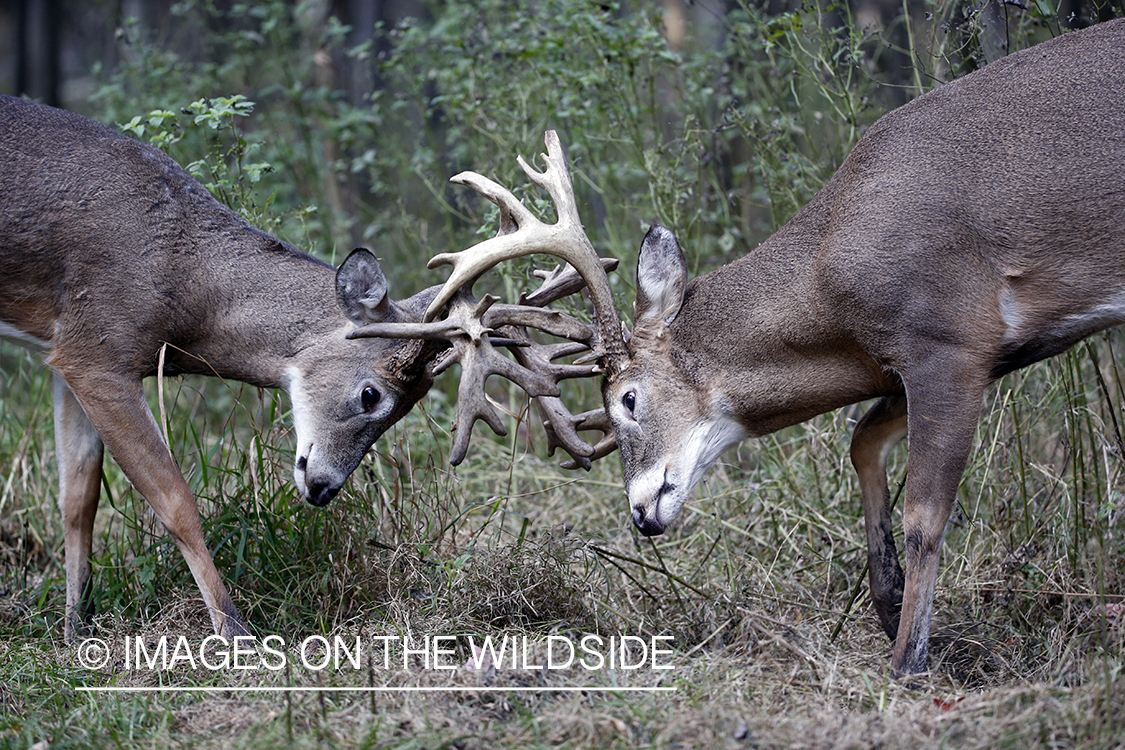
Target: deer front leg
78, 451
880, 429
117, 409
944, 409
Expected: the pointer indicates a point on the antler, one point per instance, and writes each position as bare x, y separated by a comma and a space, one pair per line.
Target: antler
477, 327
522, 234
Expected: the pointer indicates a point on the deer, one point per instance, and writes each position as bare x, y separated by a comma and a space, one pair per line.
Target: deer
969, 233
117, 266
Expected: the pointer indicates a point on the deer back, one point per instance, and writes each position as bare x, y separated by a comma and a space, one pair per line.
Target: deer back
112, 253
986, 215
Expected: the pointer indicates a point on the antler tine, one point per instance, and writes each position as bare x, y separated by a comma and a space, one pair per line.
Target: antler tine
509, 243
526, 235
551, 322
593, 420
466, 318
562, 432
559, 283
555, 179
438, 329
472, 403
605, 446
479, 360
559, 424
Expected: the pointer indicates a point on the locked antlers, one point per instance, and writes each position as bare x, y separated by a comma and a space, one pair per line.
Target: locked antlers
476, 328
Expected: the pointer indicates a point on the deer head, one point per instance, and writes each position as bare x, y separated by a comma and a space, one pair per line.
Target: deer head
477, 329
648, 393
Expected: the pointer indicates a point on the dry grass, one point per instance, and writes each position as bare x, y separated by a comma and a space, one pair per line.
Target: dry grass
761, 585
752, 585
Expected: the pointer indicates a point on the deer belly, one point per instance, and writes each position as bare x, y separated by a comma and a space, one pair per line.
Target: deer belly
1029, 339
10, 333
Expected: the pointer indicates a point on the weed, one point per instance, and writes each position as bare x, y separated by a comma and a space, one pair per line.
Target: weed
724, 133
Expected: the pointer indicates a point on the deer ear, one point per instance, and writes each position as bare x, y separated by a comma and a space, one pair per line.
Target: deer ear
661, 277
361, 288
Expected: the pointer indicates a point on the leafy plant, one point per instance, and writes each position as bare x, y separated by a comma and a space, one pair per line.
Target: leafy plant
722, 132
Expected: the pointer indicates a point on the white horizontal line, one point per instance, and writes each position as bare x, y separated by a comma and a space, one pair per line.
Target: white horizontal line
388, 689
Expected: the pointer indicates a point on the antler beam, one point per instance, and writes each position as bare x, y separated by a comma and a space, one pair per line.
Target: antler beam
521, 234
476, 328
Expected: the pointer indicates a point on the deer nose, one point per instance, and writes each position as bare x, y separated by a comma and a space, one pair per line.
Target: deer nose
647, 525
321, 493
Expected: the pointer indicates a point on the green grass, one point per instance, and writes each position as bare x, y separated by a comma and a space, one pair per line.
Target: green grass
751, 585
762, 582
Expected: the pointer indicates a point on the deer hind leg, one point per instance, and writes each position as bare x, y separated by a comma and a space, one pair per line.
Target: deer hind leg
117, 408
945, 401
880, 429
78, 450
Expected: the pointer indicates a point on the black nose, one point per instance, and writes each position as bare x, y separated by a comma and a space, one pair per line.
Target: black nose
321, 493
647, 526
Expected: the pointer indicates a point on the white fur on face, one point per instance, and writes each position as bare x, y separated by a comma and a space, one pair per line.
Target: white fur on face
705, 441
302, 417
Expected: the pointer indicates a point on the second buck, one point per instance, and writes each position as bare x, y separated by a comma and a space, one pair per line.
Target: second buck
971, 232
113, 255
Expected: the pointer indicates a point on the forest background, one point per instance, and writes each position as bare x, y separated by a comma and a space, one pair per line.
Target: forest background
335, 125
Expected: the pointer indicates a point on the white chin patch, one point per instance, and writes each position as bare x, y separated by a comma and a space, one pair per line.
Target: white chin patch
294, 386
299, 482
670, 504
643, 491
706, 441
702, 446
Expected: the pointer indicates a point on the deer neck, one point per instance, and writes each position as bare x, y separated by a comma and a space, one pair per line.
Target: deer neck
268, 306
799, 361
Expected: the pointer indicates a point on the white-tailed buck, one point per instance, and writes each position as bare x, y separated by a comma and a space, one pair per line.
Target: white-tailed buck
971, 232
111, 254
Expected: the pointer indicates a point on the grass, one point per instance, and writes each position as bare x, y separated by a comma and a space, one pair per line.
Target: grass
761, 585
755, 587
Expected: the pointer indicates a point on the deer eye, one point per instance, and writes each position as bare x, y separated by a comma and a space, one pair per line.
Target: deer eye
629, 401
369, 398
